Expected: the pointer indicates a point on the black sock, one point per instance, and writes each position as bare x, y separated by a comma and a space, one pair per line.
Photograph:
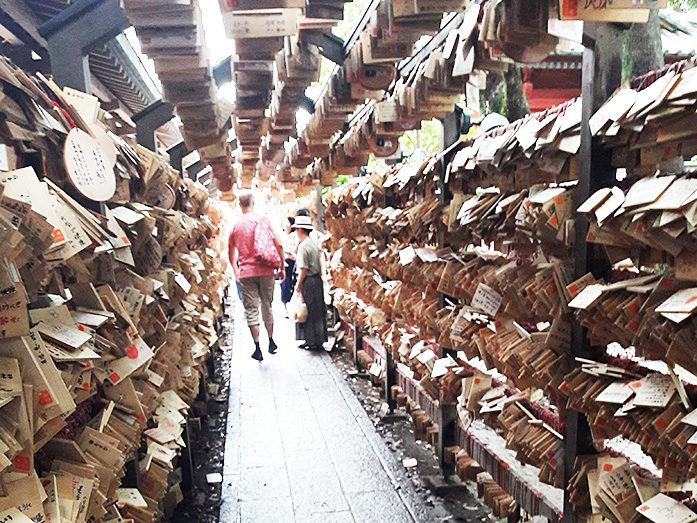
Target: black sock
257, 352
272, 346
256, 345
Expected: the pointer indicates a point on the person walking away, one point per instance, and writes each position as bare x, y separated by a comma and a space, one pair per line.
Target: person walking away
290, 246
310, 284
256, 279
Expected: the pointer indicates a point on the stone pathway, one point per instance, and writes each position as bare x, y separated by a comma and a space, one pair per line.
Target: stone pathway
300, 447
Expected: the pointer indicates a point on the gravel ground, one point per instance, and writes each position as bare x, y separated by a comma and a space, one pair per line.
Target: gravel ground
399, 437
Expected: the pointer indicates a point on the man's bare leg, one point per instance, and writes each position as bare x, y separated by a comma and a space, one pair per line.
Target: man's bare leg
254, 329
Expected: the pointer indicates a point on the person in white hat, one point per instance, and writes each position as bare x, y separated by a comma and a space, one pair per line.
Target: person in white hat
310, 284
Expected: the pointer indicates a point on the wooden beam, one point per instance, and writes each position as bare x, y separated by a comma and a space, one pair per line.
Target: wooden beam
18, 11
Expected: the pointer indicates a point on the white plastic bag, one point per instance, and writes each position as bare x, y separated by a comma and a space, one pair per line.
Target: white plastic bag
327, 294
297, 309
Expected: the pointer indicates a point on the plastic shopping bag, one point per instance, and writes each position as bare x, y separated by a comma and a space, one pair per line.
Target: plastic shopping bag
297, 309
327, 294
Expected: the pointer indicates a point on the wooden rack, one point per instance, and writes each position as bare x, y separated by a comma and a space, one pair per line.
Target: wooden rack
601, 76
532, 495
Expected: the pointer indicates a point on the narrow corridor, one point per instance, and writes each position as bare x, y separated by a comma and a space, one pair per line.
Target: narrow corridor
299, 445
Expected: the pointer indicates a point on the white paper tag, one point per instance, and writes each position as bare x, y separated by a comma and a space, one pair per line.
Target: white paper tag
587, 297
486, 299
655, 390
407, 255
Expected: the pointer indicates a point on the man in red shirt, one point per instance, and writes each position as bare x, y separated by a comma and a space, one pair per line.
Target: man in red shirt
256, 280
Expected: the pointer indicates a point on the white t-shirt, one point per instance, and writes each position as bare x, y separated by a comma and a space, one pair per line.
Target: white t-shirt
290, 243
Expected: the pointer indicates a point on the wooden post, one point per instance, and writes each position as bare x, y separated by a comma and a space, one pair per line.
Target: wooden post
319, 208
447, 414
69, 43
390, 380
447, 435
357, 344
602, 74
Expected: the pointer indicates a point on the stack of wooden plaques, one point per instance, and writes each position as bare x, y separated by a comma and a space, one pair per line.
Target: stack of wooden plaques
494, 496
368, 71
649, 126
107, 317
502, 274
514, 314
172, 35
296, 66
429, 84
272, 67
218, 156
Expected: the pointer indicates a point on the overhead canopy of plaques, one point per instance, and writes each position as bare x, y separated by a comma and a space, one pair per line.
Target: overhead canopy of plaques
172, 35
374, 92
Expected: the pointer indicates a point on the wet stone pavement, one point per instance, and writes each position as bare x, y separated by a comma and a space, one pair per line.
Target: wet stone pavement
300, 447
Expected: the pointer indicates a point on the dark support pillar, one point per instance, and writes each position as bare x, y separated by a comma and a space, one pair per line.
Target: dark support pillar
187, 459
149, 120
447, 414
222, 73
602, 70
357, 344
390, 371
319, 208
72, 34
195, 168
449, 134
176, 154
447, 421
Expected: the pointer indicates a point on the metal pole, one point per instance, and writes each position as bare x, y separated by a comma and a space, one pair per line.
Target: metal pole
447, 423
357, 344
390, 370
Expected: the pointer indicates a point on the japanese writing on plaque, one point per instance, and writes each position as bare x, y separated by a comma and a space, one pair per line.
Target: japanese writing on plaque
87, 167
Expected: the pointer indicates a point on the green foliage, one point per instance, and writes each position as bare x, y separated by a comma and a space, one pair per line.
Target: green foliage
626, 62
493, 98
683, 5
426, 138
474, 131
409, 142
462, 102
504, 101
430, 135
325, 70
352, 12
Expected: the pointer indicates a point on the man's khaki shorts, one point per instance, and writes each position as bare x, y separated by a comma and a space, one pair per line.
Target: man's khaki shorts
257, 291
